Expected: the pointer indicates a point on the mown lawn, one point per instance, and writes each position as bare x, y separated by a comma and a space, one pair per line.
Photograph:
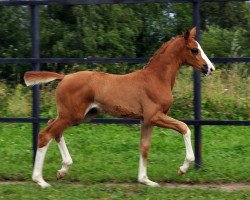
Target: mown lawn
109, 153
64, 191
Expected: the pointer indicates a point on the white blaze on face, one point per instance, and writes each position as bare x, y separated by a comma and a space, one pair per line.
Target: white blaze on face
204, 56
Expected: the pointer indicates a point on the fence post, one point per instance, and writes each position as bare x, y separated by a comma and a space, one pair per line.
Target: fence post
197, 92
35, 67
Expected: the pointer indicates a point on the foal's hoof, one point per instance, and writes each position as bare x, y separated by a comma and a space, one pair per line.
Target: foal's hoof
152, 184
181, 172
40, 181
148, 182
44, 185
60, 174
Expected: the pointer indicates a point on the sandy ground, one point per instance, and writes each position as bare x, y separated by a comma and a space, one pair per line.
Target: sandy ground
219, 186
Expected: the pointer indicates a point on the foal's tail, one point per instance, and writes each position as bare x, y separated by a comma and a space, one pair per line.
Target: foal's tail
36, 77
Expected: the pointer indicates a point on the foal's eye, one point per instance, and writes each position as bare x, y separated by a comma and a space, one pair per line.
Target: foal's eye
195, 51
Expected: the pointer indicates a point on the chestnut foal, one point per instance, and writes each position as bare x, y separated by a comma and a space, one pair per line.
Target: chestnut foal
145, 94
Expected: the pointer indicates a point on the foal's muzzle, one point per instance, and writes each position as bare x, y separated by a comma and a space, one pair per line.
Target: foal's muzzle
206, 70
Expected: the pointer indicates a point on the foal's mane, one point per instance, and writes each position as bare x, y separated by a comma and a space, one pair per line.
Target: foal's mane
161, 50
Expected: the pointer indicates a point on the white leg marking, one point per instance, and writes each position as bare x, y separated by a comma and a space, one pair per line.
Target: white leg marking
142, 176
189, 153
66, 158
38, 167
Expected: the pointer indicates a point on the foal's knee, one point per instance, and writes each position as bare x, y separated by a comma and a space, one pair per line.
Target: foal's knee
43, 139
182, 128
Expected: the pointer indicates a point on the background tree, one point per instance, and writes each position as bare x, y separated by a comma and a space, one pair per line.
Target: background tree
14, 39
119, 31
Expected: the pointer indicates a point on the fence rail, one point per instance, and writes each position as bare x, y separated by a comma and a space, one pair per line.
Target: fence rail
85, 2
132, 121
36, 61
105, 60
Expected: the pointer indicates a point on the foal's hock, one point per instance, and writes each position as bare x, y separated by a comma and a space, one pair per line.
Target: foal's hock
145, 94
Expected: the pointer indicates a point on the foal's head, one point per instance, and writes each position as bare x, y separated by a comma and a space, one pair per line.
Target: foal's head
194, 55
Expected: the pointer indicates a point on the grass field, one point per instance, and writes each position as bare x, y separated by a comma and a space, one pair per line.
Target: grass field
102, 191
105, 154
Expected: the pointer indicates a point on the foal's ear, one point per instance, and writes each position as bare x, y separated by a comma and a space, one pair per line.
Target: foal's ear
186, 34
193, 32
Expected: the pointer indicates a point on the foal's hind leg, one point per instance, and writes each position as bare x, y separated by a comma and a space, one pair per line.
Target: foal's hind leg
38, 166
53, 130
161, 120
146, 132
66, 158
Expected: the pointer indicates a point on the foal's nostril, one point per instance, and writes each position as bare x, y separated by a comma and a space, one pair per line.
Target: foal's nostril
211, 69
205, 66
204, 69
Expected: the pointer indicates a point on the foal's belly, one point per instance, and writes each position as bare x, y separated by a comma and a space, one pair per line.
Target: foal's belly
120, 111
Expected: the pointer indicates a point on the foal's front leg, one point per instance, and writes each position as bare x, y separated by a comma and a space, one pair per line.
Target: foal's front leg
146, 132
189, 153
66, 158
161, 120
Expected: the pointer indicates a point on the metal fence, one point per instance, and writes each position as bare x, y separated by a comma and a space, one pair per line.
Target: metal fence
35, 60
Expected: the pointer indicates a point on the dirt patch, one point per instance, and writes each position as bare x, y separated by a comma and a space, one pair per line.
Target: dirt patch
218, 186
14, 182
222, 186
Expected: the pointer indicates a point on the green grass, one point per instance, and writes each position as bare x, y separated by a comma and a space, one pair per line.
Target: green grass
101, 191
109, 153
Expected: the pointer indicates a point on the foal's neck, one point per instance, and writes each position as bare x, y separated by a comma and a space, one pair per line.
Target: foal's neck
166, 61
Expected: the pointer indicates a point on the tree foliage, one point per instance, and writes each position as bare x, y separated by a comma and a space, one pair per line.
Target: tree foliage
89, 31
120, 31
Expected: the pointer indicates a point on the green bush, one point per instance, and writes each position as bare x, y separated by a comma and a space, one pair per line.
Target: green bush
224, 96
15, 102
